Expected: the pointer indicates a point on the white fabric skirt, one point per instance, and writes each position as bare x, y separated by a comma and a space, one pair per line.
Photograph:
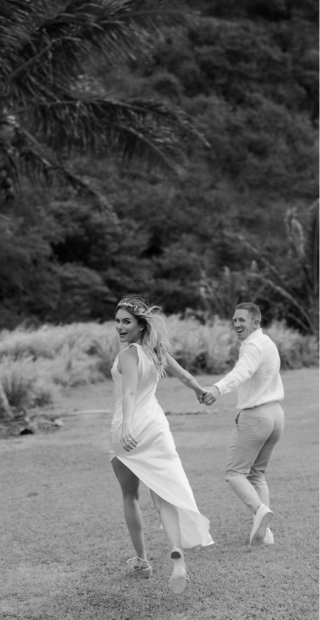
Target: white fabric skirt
156, 463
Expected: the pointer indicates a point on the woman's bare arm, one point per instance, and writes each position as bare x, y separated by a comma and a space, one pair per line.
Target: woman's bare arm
128, 361
185, 377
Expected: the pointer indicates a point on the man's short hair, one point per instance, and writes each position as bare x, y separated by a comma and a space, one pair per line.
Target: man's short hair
252, 308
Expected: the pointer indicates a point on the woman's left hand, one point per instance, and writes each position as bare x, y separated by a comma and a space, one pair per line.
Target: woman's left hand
200, 395
209, 395
209, 400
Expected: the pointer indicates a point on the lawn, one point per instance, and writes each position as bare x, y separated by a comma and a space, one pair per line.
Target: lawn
64, 542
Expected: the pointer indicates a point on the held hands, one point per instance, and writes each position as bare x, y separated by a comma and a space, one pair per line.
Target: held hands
203, 395
209, 395
127, 440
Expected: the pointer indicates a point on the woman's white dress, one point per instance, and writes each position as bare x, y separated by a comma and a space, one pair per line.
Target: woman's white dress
155, 460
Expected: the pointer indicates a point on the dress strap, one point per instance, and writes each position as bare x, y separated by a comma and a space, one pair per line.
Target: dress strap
123, 350
132, 344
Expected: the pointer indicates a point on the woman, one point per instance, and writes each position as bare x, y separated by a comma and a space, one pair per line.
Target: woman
142, 445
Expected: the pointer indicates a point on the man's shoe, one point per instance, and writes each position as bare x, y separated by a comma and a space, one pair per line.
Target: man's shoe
268, 539
261, 521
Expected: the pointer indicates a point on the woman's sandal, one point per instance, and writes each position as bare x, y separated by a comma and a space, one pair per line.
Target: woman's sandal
179, 577
138, 565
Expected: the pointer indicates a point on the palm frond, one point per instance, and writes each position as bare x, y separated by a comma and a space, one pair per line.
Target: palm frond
53, 46
17, 19
40, 69
5, 224
31, 158
270, 268
297, 303
147, 129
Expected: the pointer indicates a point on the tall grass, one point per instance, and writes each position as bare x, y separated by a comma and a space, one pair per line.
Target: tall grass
25, 383
51, 342
296, 350
213, 348
203, 348
35, 364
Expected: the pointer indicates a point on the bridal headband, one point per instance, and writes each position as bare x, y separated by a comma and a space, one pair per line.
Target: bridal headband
133, 306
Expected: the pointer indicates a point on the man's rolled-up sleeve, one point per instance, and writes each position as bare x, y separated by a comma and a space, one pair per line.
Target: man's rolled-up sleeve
247, 365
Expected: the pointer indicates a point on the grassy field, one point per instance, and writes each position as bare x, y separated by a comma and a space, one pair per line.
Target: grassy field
64, 542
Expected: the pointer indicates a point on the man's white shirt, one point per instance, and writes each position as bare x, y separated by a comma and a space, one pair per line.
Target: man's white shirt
256, 376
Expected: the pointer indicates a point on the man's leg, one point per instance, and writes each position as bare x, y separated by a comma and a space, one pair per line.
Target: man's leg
257, 472
258, 480
251, 433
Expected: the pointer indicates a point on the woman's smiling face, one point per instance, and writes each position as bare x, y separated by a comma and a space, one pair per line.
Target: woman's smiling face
127, 326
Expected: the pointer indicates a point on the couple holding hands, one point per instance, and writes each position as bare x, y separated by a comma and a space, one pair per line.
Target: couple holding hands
142, 446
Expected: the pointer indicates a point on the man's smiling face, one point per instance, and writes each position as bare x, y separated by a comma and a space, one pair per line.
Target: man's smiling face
244, 323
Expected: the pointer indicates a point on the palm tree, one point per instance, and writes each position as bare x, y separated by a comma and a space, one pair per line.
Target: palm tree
47, 111
47, 49
301, 293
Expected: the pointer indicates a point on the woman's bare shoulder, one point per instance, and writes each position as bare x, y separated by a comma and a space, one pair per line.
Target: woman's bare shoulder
129, 353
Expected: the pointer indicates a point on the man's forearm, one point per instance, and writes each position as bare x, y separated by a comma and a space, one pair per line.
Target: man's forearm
229, 383
243, 370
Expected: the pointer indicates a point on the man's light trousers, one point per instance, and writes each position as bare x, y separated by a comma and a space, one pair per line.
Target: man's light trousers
256, 432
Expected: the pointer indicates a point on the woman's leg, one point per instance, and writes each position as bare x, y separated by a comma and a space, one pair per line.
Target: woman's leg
169, 519
129, 483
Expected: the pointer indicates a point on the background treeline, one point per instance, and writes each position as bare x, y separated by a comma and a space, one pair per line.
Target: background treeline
239, 222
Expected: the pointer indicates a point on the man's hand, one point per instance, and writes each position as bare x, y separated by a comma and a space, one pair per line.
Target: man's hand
210, 395
201, 395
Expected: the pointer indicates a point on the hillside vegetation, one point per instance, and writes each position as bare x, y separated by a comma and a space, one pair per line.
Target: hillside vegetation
238, 221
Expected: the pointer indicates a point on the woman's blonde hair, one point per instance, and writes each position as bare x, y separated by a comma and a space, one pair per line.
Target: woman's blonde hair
154, 334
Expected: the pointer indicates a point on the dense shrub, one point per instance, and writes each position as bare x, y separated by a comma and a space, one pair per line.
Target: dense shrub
35, 364
25, 383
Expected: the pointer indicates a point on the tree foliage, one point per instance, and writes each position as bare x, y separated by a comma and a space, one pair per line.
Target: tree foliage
48, 51
237, 225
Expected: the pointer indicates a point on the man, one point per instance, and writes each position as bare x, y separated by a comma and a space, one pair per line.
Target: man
260, 423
